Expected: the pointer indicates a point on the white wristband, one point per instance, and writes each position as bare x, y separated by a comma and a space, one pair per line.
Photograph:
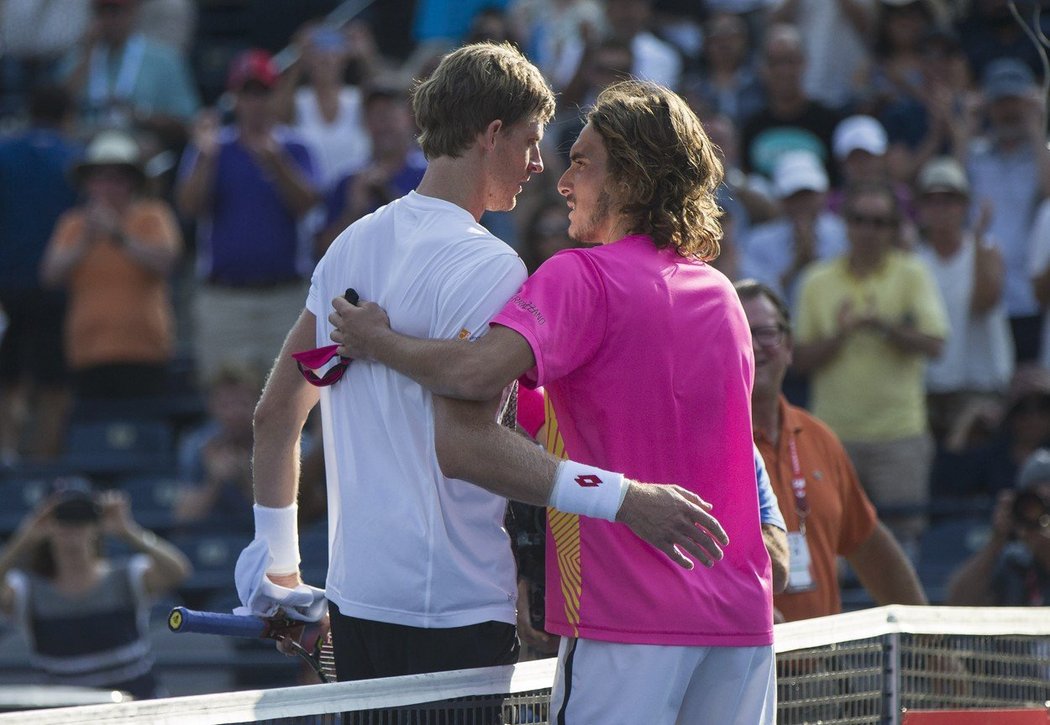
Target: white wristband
279, 528
587, 490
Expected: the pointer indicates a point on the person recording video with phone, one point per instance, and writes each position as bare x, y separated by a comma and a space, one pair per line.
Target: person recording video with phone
1013, 568
84, 615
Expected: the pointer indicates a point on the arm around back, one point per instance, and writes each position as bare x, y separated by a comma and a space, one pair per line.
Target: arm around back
471, 446
452, 368
776, 543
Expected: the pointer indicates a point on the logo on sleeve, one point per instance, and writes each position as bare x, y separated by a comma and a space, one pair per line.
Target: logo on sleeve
528, 307
589, 480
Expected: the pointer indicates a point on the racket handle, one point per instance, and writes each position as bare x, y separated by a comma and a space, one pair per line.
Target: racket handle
182, 619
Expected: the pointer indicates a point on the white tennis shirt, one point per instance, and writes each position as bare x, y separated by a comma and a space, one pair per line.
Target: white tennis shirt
407, 545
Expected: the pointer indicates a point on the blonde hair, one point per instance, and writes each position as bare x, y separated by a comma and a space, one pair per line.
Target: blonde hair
663, 164
472, 87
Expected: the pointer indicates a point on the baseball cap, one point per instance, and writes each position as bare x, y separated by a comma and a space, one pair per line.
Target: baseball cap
252, 66
1035, 469
1007, 77
75, 501
797, 171
945, 175
859, 133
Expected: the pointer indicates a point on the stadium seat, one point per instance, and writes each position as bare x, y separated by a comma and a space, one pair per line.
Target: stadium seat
213, 555
944, 546
152, 499
313, 548
110, 448
20, 495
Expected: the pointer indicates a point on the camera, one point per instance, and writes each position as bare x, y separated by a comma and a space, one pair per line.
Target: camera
76, 502
1031, 510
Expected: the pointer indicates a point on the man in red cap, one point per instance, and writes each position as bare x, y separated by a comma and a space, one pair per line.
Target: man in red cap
248, 187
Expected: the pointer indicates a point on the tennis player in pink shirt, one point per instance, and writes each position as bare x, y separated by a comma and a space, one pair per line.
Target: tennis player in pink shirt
645, 356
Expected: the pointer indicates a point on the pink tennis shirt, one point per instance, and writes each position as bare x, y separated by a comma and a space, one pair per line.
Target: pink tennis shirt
646, 360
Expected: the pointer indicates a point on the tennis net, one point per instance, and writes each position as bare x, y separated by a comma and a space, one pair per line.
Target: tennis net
859, 668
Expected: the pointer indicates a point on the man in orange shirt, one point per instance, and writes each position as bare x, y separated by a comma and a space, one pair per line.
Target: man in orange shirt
824, 506
114, 254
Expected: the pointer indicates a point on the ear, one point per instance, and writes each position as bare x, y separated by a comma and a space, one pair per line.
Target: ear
488, 136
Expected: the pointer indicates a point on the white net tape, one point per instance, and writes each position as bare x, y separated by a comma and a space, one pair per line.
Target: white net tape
859, 667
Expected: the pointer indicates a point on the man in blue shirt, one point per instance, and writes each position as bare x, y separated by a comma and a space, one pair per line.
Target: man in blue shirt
249, 187
34, 191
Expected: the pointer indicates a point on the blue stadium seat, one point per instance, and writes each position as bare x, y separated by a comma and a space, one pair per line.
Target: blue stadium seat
313, 549
153, 499
109, 448
945, 545
20, 495
213, 555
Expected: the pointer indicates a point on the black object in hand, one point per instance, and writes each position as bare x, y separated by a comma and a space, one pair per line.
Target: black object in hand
351, 296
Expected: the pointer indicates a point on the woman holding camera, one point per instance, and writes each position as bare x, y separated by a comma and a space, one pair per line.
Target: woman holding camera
1013, 568
86, 616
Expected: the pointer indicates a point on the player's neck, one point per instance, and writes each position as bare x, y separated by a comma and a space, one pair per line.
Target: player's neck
456, 182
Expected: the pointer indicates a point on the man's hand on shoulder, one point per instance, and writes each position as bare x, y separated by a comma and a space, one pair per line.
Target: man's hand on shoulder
358, 328
674, 520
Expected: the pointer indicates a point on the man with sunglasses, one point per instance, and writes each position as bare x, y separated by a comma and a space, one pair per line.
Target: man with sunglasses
867, 323
826, 510
1013, 567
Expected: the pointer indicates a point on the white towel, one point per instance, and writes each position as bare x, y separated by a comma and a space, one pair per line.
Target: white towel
262, 598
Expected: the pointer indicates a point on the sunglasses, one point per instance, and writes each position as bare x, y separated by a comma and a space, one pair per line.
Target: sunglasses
310, 360
877, 222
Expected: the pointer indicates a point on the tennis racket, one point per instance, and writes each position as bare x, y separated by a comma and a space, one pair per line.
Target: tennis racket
320, 657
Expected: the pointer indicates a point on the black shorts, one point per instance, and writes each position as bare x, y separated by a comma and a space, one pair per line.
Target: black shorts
32, 347
365, 649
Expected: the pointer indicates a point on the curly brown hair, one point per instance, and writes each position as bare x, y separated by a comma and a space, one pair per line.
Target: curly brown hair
663, 165
472, 87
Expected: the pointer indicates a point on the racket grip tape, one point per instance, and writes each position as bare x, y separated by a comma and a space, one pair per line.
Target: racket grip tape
181, 619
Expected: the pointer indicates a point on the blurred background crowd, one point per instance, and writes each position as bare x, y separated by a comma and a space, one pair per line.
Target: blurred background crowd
171, 170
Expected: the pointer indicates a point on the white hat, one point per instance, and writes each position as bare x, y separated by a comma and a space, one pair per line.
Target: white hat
943, 174
797, 171
859, 133
111, 148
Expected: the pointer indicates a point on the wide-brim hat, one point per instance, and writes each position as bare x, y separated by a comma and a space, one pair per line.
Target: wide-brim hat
111, 148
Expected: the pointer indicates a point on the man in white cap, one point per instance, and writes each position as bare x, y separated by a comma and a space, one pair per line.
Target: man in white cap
775, 253
859, 147
1009, 168
978, 356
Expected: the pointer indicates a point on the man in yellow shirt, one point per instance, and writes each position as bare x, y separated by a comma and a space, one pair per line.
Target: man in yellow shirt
867, 323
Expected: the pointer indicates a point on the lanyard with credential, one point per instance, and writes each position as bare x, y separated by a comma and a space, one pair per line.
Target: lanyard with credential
99, 91
798, 485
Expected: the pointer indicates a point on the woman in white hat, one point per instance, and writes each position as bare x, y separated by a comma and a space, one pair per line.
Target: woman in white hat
114, 252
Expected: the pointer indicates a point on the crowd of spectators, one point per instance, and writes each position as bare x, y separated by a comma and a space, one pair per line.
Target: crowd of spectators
171, 171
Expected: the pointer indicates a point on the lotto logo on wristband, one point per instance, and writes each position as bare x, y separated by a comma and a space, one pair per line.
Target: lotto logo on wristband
596, 492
